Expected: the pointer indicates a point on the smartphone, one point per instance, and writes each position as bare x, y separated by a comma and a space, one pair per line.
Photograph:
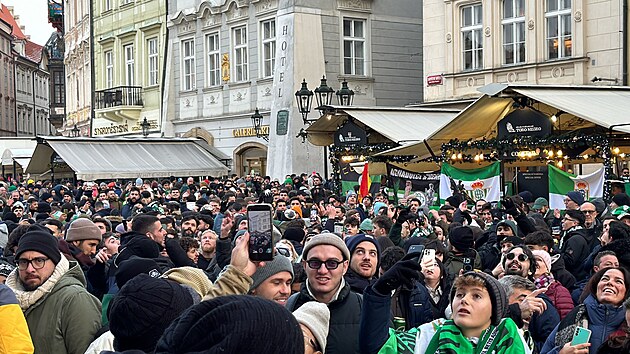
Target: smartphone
555, 230
338, 228
428, 255
260, 230
581, 335
468, 266
416, 249
313, 216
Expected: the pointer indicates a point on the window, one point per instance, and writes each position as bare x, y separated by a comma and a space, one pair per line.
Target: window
268, 30
129, 65
558, 21
108, 5
354, 47
472, 37
188, 49
59, 91
214, 60
240, 53
513, 31
152, 47
109, 69
124, 2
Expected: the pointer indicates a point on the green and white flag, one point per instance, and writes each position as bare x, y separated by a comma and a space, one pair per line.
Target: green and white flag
560, 183
480, 183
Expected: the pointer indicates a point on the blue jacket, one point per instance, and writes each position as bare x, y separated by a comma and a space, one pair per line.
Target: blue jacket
420, 306
543, 324
602, 321
375, 320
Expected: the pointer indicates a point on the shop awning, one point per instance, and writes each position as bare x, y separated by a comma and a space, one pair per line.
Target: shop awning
398, 125
21, 156
100, 158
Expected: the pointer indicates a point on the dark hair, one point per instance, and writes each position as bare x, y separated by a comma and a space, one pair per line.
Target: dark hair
437, 245
390, 256
577, 215
539, 238
618, 230
591, 286
188, 242
602, 254
383, 222
298, 223
299, 274
190, 216
142, 223
53, 222
351, 221
14, 238
530, 257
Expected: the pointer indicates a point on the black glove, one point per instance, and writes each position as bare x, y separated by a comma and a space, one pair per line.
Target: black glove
404, 272
510, 206
403, 215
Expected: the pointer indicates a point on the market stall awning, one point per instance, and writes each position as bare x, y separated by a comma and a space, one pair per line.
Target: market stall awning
21, 156
100, 158
398, 125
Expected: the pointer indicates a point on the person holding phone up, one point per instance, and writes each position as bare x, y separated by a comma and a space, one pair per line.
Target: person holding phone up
600, 311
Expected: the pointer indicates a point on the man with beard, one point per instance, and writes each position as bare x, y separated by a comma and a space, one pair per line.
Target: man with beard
61, 315
208, 249
573, 244
132, 202
114, 202
189, 225
82, 238
273, 280
364, 259
519, 260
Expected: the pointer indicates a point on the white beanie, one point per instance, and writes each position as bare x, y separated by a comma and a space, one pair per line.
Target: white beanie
315, 316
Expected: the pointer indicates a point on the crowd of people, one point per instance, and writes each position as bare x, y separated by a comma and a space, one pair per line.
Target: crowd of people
163, 266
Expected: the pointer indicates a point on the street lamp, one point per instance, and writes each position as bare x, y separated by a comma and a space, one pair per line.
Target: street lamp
75, 131
145, 127
257, 119
323, 95
345, 95
304, 99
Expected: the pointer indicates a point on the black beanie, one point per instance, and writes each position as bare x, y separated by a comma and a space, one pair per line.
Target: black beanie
234, 324
621, 199
10, 216
133, 266
461, 237
143, 309
41, 241
294, 234
498, 298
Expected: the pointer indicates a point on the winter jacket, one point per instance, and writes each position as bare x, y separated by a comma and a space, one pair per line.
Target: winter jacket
455, 262
64, 318
602, 321
592, 234
574, 251
561, 274
489, 252
419, 305
345, 315
542, 324
16, 338
560, 297
375, 321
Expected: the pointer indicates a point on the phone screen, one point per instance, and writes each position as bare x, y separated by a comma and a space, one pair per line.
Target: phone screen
260, 232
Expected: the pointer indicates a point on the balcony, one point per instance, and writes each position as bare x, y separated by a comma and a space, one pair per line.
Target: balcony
118, 103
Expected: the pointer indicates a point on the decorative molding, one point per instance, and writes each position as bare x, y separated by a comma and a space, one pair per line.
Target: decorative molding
211, 21
264, 6
267, 92
237, 11
239, 96
487, 31
449, 38
355, 5
578, 16
557, 72
530, 24
186, 28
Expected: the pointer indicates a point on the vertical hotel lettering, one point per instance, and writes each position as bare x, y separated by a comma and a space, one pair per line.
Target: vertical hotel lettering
283, 58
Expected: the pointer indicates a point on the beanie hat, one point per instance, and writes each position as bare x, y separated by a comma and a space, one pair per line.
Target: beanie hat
315, 316
10, 216
83, 229
354, 241
527, 196
366, 225
248, 324
195, 278
143, 309
462, 238
134, 266
45, 196
621, 199
378, 206
326, 238
545, 257
17, 205
498, 298
43, 207
576, 196
510, 224
40, 240
294, 234
278, 264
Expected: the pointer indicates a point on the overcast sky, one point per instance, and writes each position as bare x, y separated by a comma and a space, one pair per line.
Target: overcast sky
34, 15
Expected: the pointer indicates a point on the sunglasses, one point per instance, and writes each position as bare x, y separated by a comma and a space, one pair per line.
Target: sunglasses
330, 264
521, 257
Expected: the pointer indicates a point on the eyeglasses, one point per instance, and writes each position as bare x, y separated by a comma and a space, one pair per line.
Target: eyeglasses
521, 257
38, 263
330, 264
589, 211
485, 213
568, 219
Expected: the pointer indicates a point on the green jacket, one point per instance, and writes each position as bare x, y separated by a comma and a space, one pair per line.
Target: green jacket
66, 319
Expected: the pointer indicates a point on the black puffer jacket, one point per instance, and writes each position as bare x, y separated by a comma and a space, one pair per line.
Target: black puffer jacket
345, 316
574, 251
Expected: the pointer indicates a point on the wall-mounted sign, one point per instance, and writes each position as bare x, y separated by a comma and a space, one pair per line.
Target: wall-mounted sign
434, 80
244, 132
524, 122
350, 134
283, 122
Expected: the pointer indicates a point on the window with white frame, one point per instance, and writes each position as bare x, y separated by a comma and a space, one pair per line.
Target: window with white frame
130, 66
239, 35
558, 28
123, 2
213, 65
152, 58
109, 69
268, 37
472, 37
354, 46
188, 63
513, 24
107, 5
